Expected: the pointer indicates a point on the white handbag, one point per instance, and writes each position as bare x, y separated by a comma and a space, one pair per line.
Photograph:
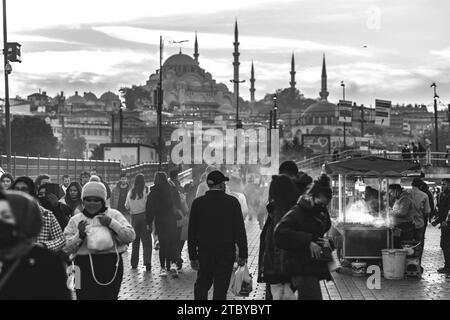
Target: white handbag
99, 238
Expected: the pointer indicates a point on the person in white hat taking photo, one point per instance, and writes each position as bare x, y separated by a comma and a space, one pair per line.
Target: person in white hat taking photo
98, 236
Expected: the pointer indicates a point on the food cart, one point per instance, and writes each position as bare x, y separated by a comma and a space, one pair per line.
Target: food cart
361, 227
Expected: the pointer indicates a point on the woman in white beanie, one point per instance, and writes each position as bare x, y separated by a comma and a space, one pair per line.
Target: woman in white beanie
98, 236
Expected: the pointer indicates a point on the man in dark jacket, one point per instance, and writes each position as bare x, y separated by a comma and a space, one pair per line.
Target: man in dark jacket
215, 227
119, 195
442, 218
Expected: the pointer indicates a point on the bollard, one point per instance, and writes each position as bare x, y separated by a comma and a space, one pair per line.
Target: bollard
28, 165
57, 164
15, 164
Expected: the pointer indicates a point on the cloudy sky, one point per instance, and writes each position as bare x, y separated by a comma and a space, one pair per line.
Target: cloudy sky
382, 49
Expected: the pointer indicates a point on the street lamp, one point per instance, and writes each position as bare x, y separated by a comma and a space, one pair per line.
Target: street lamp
159, 95
275, 109
238, 122
343, 98
435, 97
11, 53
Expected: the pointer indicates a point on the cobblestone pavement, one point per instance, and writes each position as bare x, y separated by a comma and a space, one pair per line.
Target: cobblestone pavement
139, 284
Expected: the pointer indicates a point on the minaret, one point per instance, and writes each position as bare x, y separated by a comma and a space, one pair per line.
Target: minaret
196, 48
236, 61
323, 92
292, 83
252, 84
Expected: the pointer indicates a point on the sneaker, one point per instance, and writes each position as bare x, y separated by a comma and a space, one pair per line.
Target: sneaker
163, 273
443, 270
174, 273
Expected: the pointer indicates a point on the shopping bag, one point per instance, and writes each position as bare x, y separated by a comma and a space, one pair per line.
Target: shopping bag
247, 283
242, 283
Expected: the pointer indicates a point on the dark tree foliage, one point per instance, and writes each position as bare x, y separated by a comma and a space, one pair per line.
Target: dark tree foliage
33, 136
72, 146
134, 97
97, 153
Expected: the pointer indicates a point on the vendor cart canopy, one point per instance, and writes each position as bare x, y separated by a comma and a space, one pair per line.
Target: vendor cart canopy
371, 166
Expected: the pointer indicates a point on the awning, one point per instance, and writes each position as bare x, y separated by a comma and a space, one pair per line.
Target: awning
371, 166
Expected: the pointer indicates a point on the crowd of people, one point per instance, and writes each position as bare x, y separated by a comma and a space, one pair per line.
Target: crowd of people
414, 152
46, 227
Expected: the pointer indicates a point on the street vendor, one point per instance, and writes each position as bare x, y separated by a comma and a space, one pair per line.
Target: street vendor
401, 214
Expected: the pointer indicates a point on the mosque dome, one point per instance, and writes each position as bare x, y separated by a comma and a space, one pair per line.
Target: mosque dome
180, 59
109, 96
320, 108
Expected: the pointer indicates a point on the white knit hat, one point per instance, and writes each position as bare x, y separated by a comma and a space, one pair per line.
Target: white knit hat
94, 189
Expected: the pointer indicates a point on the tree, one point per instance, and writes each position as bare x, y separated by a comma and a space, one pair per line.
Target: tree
97, 153
33, 136
134, 97
72, 146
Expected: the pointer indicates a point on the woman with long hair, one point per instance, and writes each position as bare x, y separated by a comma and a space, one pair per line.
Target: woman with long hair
283, 195
73, 197
301, 233
135, 204
161, 208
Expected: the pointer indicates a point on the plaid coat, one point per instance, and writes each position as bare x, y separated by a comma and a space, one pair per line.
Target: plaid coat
51, 234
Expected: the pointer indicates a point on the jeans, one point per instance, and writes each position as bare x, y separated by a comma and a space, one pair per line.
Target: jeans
308, 287
419, 235
142, 235
216, 266
407, 234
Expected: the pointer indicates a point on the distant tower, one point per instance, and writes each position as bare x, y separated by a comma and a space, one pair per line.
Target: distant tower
196, 48
236, 60
252, 84
323, 92
292, 83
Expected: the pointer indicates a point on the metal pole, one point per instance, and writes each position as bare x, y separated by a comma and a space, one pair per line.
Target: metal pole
362, 121
120, 124
7, 115
436, 122
159, 111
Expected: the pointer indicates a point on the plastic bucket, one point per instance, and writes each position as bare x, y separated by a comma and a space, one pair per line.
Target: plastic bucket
394, 263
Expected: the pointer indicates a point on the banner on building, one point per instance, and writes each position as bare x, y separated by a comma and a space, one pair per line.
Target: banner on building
383, 112
345, 111
319, 143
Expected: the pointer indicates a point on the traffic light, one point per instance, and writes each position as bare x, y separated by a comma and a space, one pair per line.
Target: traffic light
13, 50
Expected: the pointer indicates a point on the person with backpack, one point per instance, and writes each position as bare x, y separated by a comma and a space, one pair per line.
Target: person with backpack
135, 204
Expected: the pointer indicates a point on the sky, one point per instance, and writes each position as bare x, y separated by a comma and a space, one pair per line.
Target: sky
391, 50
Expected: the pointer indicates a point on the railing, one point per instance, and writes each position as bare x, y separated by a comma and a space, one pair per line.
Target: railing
434, 159
57, 167
147, 169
